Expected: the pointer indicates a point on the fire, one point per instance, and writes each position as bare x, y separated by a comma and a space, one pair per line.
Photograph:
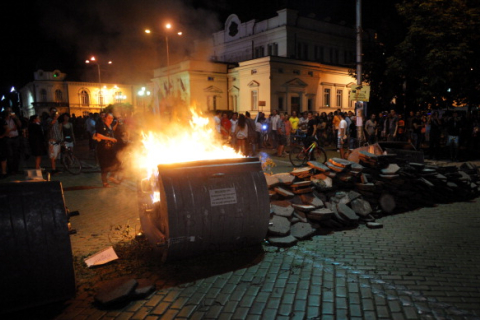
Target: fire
183, 144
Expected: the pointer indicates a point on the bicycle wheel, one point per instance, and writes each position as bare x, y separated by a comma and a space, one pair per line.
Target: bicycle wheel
320, 155
297, 156
71, 163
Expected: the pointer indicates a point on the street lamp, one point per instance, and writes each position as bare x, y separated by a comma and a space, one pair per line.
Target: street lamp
168, 27
94, 60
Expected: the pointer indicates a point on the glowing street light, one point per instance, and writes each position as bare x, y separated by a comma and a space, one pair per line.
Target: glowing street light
94, 60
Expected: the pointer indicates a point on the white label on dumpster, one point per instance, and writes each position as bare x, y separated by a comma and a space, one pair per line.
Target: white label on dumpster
220, 197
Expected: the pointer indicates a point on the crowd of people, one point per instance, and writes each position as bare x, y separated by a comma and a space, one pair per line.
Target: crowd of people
46, 135
440, 134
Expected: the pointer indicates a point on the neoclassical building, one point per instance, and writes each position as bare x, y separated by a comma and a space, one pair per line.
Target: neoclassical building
50, 89
288, 62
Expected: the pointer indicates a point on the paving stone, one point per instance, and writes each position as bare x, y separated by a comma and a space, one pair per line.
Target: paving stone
303, 207
284, 192
311, 199
339, 162
282, 208
323, 184
279, 226
318, 166
303, 190
347, 213
392, 169
272, 180
361, 207
352, 195
301, 172
283, 241
144, 288
301, 216
374, 225
321, 214
301, 184
335, 168
284, 178
302, 230
115, 291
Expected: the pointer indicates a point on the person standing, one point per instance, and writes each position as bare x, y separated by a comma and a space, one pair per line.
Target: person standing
233, 127
13, 140
225, 126
55, 138
36, 140
252, 136
90, 128
241, 133
288, 129
106, 151
218, 123
371, 129
342, 134
3, 146
281, 135
435, 135
294, 121
67, 130
454, 128
274, 122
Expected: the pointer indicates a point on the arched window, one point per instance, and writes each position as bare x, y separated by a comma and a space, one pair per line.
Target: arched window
58, 95
84, 98
43, 95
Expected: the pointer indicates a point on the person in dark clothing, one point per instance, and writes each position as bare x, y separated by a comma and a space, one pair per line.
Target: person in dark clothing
106, 150
454, 128
417, 131
36, 140
435, 134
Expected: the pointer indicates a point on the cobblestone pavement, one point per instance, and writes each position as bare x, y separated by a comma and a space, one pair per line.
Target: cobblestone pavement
422, 264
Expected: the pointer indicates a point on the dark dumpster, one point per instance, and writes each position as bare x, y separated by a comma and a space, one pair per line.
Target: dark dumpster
194, 208
36, 264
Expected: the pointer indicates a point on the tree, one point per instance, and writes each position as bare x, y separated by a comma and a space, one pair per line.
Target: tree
439, 56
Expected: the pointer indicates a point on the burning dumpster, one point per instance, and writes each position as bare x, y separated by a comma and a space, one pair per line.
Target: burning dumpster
192, 208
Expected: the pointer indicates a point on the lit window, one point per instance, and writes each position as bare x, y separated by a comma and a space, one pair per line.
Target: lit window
84, 98
254, 98
339, 98
326, 97
58, 96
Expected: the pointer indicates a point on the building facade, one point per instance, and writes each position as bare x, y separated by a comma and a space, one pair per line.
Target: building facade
288, 62
50, 89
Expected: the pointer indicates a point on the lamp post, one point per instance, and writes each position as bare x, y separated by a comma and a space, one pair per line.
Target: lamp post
94, 60
100, 95
168, 27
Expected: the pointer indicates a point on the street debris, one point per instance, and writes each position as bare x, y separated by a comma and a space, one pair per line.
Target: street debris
342, 194
105, 256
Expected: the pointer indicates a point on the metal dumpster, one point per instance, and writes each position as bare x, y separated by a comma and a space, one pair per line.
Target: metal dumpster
36, 264
193, 208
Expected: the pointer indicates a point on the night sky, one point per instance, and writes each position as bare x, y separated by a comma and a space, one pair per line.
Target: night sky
58, 34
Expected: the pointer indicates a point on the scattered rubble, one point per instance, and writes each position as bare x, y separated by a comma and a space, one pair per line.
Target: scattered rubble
342, 194
122, 290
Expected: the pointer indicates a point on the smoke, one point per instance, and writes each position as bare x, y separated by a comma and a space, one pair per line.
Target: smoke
115, 30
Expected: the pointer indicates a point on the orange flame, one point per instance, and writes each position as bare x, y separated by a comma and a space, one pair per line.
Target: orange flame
183, 144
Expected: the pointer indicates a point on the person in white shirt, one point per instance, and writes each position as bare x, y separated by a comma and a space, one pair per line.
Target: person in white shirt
234, 122
218, 122
274, 123
342, 134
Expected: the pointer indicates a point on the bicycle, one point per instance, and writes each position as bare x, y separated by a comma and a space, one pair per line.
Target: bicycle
299, 155
70, 162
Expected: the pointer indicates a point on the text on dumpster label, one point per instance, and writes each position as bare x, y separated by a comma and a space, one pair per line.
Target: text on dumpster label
220, 197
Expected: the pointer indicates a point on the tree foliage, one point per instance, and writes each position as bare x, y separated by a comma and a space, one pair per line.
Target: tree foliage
438, 58
430, 56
